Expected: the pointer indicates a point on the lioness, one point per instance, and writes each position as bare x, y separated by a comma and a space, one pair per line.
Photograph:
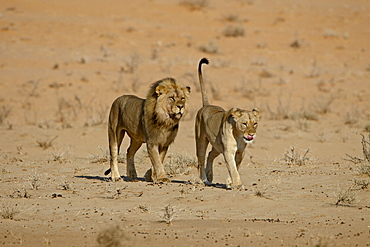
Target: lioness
154, 121
227, 131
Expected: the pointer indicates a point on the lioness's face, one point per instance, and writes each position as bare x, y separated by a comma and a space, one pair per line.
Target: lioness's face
247, 123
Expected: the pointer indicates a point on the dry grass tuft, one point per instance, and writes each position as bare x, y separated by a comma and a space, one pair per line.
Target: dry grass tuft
364, 163
8, 211
346, 197
193, 5
293, 157
234, 31
4, 113
169, 213
179, 164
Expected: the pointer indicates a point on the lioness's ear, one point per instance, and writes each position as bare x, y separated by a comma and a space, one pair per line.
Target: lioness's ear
236, 112
256, 112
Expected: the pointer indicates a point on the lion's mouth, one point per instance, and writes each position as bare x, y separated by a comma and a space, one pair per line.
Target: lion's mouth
177, 115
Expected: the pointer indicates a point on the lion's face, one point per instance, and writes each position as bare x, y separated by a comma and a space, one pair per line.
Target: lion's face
172, 100
246, 123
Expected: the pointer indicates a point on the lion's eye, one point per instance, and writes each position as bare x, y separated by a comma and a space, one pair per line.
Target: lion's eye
172, 98
245, 124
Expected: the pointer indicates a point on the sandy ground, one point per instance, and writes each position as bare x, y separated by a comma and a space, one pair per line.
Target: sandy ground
304, 64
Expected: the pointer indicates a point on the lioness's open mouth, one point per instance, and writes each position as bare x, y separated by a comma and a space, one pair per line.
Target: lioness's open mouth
248, 138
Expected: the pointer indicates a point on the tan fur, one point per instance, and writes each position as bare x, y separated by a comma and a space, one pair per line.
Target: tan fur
227, 131
154, 121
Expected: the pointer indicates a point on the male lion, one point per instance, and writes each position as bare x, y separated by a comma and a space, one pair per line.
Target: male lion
154, 121
227, 131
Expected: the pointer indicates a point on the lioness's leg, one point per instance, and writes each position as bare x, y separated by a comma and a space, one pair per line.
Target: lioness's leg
158, 173
131, 151
209, 168
233, 181
239, 155
113, 137
201, 145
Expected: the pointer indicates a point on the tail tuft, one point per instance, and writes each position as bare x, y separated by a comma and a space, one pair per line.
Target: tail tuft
204, 60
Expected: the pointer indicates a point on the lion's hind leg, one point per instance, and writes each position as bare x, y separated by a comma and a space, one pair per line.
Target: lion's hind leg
115, 139
131, 151
209, 168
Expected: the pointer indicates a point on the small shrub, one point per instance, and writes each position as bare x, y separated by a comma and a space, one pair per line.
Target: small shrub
364, 163
362, 184
4, 113
233, 31
131, 64
47, 142
8, 211
194, 4
210, 48
104, 156
346, 197
179, 163
169, 213
293, 157
34, 180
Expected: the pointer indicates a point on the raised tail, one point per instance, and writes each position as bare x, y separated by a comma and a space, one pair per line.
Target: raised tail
202, 88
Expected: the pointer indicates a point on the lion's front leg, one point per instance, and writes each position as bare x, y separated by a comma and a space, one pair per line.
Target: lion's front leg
158, 173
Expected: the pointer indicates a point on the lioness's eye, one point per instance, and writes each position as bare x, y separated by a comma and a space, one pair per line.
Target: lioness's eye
255, 124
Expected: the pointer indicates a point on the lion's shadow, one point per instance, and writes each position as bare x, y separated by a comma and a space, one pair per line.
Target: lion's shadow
108, 179
127, 179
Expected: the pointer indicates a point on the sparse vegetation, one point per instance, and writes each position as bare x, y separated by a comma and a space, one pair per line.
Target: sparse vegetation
293, 157
179, 163
4, 113
346, 197
194, 4
8, 211
234, 31
169, 213
131, 64
364, 163
34, 180
47, 142
210, 48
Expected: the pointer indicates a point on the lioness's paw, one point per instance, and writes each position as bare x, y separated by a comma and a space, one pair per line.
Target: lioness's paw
238, 187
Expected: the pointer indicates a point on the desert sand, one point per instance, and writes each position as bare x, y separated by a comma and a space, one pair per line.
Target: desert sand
304, 64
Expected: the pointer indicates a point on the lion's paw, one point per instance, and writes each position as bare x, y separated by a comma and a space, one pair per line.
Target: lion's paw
116, 178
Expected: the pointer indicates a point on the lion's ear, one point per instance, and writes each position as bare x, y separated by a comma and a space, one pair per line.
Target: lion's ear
256, 112
188, 88
160, 90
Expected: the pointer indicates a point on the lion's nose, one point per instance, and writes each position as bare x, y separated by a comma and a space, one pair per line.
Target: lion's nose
180, 107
